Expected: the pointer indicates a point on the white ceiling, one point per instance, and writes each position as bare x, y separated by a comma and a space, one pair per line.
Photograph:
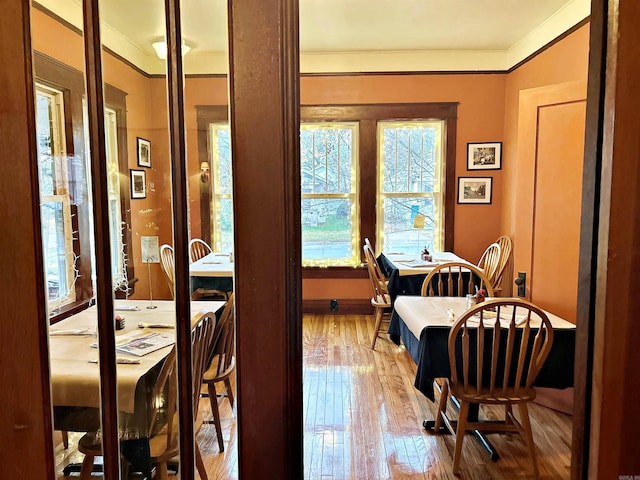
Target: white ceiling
350, 35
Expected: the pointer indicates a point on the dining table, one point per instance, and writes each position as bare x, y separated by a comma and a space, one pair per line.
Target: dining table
423, 324
148, 336
406, 272
214, 271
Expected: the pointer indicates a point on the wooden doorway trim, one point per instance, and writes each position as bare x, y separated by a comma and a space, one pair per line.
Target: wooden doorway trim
265, 122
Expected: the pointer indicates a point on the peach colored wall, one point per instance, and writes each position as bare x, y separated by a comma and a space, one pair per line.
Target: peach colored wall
565, 61
149, 214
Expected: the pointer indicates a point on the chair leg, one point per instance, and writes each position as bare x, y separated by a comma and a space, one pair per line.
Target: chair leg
161, 471
87, 467
200, 464
378, 319
227, 382
526, 427
460, 431
213, 400
442, 405
65, 439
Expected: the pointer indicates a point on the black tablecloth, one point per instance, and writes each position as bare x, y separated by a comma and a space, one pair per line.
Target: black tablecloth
412, 284
431, 354
224, 284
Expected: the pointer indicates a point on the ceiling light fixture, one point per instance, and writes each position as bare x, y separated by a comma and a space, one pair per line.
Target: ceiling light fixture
161, 49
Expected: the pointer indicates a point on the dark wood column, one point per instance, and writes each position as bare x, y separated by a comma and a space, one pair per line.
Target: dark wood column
266, 172
614, 450
24, 372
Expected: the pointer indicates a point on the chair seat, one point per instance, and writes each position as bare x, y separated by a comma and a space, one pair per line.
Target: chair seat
212, 375
381, 301
498, 396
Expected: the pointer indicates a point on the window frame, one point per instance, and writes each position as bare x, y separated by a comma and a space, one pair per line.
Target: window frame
367, 116
70, 81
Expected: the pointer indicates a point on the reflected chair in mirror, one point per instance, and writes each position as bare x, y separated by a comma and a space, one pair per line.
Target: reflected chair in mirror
455, 279
380, 300
506, 247
198, 249
496, 350
163, 439
489, 263
221, 366
168, 265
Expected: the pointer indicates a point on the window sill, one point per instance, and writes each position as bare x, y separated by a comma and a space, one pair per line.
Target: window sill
335, 272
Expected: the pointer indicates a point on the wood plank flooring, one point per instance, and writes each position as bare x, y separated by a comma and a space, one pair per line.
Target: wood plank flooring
363, 419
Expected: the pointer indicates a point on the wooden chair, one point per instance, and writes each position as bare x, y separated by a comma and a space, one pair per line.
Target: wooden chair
163, 445
453, 275
487, 369
367, 242
489, 262
221, 365
381, 300
506, 247
168, 265
197, 249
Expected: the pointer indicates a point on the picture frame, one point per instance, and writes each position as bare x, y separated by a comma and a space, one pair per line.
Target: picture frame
475, 190
484, 156
138, 183
144, 152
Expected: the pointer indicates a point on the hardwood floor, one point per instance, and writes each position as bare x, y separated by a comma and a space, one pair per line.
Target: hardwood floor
363, 419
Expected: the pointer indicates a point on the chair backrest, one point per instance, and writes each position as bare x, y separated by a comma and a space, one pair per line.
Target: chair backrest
505, 254
490, 261
197, 249
459, 278
168, 264
499, 362
203, 325
223, 345
378, 284
367, 242
203, 332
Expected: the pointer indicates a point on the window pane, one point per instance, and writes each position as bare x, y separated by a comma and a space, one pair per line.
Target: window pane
329, 192
400, 232
327, 230
222, 188
410, 186
55, 255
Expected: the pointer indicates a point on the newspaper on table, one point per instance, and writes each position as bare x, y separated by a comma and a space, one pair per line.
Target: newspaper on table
141, 343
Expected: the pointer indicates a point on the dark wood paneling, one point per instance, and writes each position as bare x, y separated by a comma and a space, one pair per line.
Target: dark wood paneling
24, 373
615, 422
182, 293
346, 306
587, 268
104, 284
266, 201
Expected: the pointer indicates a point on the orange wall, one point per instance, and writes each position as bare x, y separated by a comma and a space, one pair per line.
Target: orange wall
147, 215
565, 61
487, 112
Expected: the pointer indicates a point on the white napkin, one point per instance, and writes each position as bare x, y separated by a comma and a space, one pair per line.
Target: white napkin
81, 332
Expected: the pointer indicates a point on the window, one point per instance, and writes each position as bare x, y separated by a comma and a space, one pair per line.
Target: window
222, 188
64, 173
375, 171
55, 205
410, 186
329, 187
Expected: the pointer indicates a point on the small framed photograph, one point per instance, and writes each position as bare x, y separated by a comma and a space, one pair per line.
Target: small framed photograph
484, 156
474, 190
138, 183
144, 153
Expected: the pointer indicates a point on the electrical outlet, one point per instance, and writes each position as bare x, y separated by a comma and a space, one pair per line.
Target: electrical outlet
334, 305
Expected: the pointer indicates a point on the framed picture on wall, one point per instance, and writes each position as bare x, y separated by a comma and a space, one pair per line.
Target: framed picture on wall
138, 183
144, 152
484, 156
474, 190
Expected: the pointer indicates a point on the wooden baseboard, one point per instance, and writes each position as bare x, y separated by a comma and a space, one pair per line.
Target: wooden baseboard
346, 306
